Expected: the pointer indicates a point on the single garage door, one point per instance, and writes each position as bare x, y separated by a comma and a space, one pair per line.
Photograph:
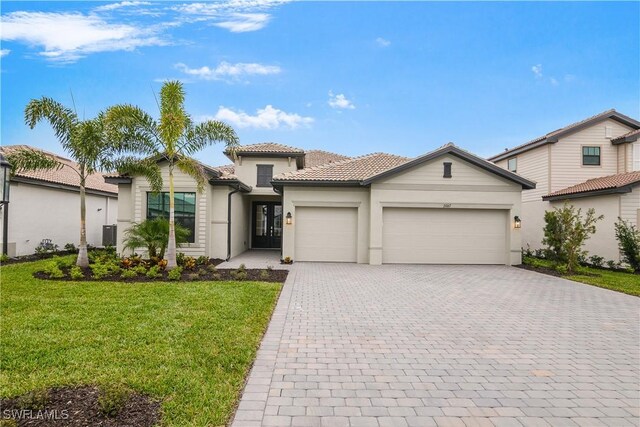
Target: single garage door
326, 234
444, 236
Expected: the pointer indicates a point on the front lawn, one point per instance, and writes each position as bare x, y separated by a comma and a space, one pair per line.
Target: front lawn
620, 281
188, 344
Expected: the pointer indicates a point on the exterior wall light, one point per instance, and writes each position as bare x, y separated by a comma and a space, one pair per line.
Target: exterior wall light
289, 218
517, 222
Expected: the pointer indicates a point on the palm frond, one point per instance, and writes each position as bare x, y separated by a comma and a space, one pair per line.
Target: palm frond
207, 133
89, 145
147, 168
26, 159
173, 118
61, 118
131, 130
194, 169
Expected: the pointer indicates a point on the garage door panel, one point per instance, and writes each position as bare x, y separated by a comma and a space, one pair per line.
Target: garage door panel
326, 234
439, 236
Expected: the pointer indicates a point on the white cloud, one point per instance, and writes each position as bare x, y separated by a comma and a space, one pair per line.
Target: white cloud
4, 52
554, 81
339, 101
537, 70
226, 69
66, 37
113, 6
268, 117
245, 22
383, 42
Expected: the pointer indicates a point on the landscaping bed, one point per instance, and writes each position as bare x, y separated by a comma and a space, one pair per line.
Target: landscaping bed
187, 346
80, 406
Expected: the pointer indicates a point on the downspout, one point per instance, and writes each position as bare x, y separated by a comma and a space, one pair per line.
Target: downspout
231, 193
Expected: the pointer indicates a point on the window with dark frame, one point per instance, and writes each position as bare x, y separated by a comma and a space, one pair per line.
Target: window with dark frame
447, 170
265, 174
591, 156
184, 209
512, 164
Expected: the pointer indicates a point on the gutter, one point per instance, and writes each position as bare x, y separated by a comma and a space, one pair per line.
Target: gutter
231, 193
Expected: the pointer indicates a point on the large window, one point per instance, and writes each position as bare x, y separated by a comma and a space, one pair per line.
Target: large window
185, 209
512, 164
636, 157
265, 173
591, 156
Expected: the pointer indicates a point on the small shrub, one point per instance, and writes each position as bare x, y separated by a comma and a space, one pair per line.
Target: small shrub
53, 270
46, 246
128, 274
193, 276
561, 268
175, 274
242, 268
628, 237
4, 258
539, 253
612, 264
141, 269
76, 273
269, 267
70, 247
99, 270
153, 272
63, 262
132, 261
216, 276
527, 252
112, 398
202, 272
189, 263
287, 260
239, 275
212, 268
202, 260
8, 422
596, 261
35, 400
180, 257
162, 264
264, 275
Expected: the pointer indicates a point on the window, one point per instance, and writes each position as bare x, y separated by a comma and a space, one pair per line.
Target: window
447, 170
265, 173
591, 156
636, 157
185, 209
512, 165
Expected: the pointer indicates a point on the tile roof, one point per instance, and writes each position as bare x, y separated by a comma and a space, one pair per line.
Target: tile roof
314, 158
353, 169
542, 139
268, 147
622, 138
65, 176
610, 182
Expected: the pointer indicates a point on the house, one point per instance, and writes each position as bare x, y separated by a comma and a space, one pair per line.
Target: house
594, 163
46, 205
447, 206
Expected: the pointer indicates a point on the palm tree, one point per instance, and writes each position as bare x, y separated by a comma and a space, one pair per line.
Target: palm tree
154, 235
173, 138
84, 140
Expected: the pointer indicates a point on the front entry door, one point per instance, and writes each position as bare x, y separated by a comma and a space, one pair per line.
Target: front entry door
267, 225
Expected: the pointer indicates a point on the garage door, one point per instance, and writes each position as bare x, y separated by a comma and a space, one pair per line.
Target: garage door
326, 234
444, 236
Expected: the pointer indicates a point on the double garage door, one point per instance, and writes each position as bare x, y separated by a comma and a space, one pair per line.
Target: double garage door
409, 235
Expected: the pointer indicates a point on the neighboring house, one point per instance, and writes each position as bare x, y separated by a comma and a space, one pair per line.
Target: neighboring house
594, 163
447, 207
46, 205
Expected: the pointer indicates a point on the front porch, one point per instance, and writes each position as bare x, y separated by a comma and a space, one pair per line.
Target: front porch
257, 258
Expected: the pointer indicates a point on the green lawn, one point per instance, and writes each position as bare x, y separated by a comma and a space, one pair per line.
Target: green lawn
189, 344
615, 280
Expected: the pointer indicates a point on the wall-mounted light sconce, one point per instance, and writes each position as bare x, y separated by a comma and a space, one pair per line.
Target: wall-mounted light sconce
289, 218
517, 222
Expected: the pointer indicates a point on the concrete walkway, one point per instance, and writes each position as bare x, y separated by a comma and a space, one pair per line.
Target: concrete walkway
359, 345
257, 258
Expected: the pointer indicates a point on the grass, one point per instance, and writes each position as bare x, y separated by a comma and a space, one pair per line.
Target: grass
619, 281
189, 344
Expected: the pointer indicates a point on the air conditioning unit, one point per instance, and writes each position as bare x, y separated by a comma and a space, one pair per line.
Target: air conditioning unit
109, 235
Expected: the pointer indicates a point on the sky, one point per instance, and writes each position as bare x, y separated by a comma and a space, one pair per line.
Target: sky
349, 77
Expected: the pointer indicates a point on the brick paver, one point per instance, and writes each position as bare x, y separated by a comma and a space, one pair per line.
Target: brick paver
359, 345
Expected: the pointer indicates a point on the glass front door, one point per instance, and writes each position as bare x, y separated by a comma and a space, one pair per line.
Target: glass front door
267, 225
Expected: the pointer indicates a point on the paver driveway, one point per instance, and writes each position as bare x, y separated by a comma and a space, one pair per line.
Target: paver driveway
359, 345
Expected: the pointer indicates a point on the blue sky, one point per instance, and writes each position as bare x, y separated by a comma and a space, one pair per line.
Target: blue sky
350, 77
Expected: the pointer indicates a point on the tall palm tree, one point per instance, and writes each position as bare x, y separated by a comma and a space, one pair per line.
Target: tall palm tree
174, 138
84, 140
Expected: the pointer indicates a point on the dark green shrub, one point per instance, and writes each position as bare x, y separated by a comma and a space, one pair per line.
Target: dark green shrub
612, 264
35, 400
202, 260
112, 399
70, 247
76, 273
175, 274
629, 243
53, 270
153, 234
596, 261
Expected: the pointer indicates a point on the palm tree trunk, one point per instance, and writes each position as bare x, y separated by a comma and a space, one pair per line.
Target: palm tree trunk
171, 245
83, 257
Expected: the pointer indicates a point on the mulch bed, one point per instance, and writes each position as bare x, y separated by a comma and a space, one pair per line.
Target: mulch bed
36, 257
78, 407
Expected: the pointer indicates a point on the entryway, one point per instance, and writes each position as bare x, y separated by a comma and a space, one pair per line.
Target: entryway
266, 225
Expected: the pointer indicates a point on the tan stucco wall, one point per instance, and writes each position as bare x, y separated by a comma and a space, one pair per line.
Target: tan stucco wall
327, 197
37, 212
246, 169
424, 186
